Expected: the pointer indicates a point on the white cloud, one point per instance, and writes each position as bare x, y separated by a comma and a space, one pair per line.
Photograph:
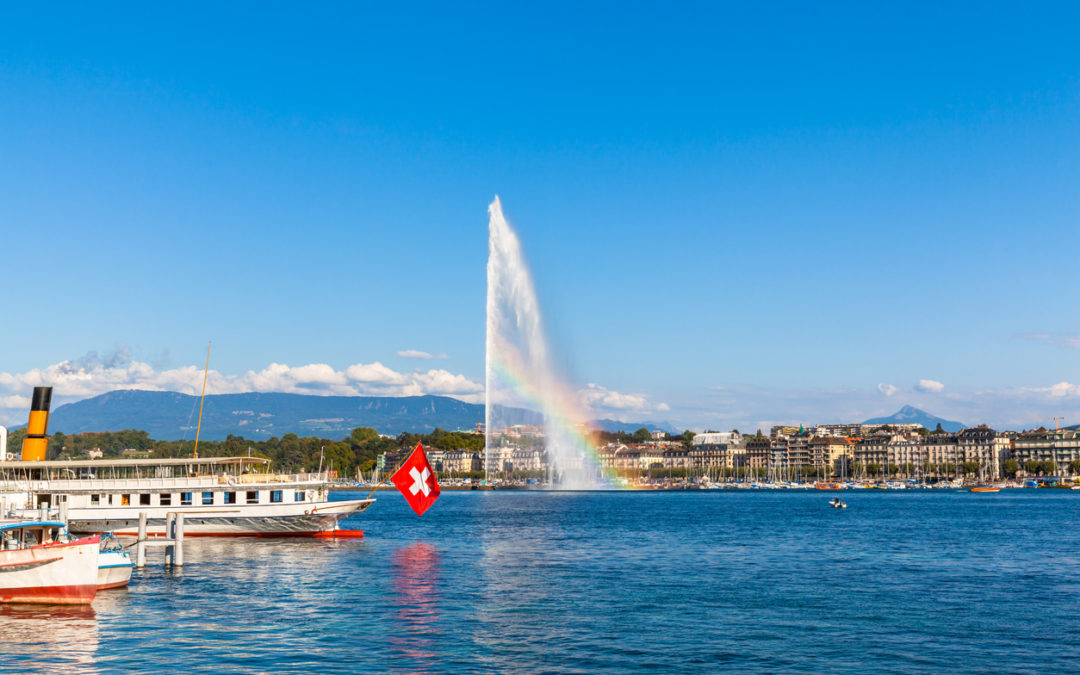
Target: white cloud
602, 399
73, 380
929, 386
417, 354
1059, 390
886, 389
15, 401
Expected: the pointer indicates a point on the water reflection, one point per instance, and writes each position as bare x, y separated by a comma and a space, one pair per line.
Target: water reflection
416, 585
51, 638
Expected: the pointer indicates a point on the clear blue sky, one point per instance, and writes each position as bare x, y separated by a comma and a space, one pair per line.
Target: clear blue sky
750, 214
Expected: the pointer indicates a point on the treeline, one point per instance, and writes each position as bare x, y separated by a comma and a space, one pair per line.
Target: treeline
290, 453
642, 435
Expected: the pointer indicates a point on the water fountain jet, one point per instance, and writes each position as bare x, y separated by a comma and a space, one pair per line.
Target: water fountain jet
524, 391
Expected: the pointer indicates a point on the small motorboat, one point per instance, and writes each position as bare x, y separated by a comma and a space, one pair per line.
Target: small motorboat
837, 504
40, 563
114, 564
985, 488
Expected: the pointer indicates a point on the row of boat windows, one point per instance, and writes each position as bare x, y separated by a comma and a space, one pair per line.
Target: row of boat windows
208, 498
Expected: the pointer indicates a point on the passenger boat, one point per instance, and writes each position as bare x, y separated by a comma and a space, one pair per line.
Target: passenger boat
41, 564
219, 496
114, 564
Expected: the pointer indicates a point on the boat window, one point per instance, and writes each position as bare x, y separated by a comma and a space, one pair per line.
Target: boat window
185, 499
165, 499
125, 500
253, 497
144, 499
207, 498
95, 500
29, 537
298, 496
230, 497
275, 496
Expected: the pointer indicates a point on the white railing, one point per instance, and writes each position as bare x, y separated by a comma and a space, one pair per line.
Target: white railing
177, 482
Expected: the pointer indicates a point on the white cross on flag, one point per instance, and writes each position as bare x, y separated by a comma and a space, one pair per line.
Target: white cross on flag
417, 481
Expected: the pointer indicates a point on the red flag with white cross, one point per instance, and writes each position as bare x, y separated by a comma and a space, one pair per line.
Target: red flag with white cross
417, 481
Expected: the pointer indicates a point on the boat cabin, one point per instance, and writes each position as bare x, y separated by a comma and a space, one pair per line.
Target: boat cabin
25, 534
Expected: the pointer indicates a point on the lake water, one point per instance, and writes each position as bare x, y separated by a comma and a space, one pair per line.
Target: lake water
619, 582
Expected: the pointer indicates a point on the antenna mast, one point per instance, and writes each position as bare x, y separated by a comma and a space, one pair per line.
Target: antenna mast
198, 427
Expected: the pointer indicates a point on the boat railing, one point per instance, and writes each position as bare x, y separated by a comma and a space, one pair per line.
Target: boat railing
176, 482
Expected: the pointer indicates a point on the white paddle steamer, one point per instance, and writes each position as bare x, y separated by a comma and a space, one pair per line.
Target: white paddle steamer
222, 496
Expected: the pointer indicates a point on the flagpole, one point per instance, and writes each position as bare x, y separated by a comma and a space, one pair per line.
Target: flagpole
418, 445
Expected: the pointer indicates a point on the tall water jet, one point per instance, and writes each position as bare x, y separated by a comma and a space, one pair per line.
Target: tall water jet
533, 418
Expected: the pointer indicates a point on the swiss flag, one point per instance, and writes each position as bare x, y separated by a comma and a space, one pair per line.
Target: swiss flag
417, 481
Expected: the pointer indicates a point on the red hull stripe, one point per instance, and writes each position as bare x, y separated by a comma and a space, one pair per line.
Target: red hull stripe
330, 534
61, 595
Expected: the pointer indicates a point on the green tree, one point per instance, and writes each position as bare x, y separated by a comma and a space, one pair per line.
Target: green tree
1032, 467
969, 467
1010, 467
938, 429
642, 435
1050, 467
1074, 467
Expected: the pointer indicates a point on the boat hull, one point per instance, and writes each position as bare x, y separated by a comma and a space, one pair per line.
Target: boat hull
114, 570
63, 574
318, 520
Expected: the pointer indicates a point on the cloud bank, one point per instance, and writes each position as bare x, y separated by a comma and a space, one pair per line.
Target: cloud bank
94, 374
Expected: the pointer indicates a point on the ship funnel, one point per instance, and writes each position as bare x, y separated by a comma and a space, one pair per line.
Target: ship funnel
36, 441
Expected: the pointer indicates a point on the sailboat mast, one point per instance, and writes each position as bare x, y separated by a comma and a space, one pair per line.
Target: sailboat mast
198, 427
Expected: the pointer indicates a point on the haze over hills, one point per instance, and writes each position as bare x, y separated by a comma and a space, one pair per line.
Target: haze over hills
911, 415
167, 415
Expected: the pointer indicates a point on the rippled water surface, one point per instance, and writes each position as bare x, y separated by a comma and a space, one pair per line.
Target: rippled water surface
582, 582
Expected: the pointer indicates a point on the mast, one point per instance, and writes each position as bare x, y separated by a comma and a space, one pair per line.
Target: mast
198, 427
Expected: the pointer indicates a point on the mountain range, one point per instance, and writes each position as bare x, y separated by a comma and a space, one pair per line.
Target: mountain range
168, 415
911, 415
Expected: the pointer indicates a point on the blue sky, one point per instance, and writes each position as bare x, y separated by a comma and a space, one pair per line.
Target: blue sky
735, 215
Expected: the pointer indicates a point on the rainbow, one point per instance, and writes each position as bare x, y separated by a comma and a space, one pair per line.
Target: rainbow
560, 407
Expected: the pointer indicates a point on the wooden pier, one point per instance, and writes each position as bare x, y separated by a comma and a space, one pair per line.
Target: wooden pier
173, 541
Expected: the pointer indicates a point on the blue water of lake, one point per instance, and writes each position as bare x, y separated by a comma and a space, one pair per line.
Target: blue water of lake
625, 581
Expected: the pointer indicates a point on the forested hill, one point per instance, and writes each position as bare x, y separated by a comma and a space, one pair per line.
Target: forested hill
168, 415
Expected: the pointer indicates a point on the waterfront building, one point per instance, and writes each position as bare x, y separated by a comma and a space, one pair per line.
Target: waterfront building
946, 453
676, 457
758, 452
462, 461
715, 450
1041, 445
829, 452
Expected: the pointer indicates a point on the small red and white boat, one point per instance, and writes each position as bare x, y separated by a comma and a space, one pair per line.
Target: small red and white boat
40, 564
